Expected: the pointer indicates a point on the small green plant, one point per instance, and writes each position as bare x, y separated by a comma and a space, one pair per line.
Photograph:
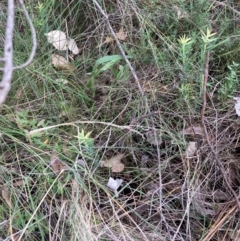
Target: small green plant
187, 62
185, 50
186, 90
85, 140
122, 73
24, 121
101, 65
208, 40
230, 83
86, 145
27, 123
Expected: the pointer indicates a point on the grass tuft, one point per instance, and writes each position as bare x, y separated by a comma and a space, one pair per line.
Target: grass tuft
57, 126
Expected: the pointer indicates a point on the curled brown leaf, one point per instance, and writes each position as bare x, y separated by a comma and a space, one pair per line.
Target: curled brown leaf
121, 35
56, 163
61, 63
114, 163
193, 130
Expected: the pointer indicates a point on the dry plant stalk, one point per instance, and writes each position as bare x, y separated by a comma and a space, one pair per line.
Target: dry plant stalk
5, 84
220, 165
215, 227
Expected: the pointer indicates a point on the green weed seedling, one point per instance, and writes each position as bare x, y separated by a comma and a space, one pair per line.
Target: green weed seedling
101, 65
230, 83
122, 73
185, 50
26, 123
192, 64
86, 145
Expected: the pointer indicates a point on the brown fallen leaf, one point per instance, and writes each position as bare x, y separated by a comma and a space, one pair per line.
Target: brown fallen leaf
72, 46
108, 40
121, 35
193, 130
58, 39
61, 63
56, 163
152, 139
114, 163
6, 196
191, 149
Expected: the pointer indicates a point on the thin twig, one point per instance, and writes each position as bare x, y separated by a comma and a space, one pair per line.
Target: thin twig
130, 128
217, 225
5, 84
120, 47
34, 38
219, 164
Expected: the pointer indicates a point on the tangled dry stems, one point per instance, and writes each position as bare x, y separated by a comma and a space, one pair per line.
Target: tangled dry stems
165, 196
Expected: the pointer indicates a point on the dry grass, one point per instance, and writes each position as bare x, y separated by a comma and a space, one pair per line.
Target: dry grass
165, 195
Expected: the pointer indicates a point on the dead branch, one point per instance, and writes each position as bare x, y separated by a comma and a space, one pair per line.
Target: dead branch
34, 38
5, 84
